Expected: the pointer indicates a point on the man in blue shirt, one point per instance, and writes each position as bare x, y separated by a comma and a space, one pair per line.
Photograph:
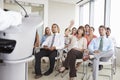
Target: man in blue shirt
102, 48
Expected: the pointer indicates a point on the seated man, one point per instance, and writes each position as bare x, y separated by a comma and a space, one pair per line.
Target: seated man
49, 49
102, 49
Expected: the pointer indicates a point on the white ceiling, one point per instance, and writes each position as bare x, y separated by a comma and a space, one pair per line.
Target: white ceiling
67, 1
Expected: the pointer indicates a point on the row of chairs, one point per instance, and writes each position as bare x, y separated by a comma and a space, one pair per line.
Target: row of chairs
60, 58
111, 62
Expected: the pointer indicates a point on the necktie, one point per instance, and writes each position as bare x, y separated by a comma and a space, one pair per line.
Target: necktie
53, 38
101, 44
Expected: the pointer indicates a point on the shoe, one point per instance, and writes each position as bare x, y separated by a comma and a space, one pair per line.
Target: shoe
89, 64
100, 67
38, 76
48, 73
43, 61
62, 69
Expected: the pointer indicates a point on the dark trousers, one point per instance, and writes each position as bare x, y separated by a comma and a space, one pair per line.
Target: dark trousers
42, 53
71, 60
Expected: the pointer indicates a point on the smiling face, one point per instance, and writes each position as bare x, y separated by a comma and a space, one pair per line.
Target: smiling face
74, 31
47, 31
91, 30
81, 31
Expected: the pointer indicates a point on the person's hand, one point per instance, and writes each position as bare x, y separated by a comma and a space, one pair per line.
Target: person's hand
52, 48
76, 49
66, 46
72, 22
86, 51
45, 47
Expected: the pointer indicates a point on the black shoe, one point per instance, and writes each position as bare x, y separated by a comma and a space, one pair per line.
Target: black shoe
38, 76
48, 73
100, 67
89, 64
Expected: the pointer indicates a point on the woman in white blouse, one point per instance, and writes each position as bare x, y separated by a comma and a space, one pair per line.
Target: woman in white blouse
78, 45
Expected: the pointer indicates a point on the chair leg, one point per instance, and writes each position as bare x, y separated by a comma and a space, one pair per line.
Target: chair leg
115, 65
84, 72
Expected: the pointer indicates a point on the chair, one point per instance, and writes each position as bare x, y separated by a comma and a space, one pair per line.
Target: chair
111, 62
58, 59
84, 70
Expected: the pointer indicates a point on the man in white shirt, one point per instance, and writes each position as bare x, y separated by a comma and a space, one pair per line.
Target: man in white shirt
49, 49
108, 32
102, 48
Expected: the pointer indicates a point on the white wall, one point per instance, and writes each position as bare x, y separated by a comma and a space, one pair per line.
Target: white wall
1, 3
45, 3
114, 24
15, 7
60, 13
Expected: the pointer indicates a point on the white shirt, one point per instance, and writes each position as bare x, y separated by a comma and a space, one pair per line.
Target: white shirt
58, 41
81, 43
107, 44
78, 43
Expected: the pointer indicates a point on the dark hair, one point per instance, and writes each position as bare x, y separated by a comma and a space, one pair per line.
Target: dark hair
73, 29
108, 29
87, 25
102, 26
92, 28
81, 27
67, 29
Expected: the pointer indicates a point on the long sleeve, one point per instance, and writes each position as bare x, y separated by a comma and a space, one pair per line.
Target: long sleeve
58, 41
47, 41
107, 44
60, 44
91, 46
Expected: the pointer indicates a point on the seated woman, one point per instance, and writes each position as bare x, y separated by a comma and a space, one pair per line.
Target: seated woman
73, 31
67, 37
67, 41
90, 36
79, 43
47, 33
87, 28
